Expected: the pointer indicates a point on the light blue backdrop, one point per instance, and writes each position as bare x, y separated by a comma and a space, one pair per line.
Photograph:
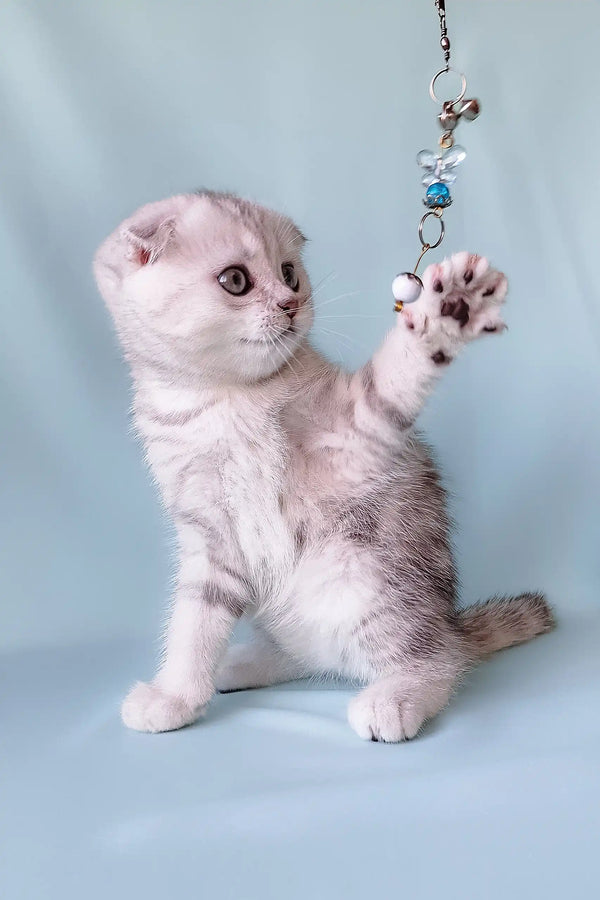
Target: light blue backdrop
317, 108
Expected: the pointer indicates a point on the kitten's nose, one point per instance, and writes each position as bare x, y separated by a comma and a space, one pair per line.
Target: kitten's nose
290, 306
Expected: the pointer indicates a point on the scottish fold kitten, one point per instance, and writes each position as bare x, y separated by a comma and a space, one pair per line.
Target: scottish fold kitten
300, 493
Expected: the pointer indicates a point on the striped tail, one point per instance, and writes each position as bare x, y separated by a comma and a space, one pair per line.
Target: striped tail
504, 621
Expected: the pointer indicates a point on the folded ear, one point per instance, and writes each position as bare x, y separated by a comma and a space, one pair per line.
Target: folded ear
147, 241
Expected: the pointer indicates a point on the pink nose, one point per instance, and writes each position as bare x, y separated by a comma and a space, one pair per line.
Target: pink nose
290, 306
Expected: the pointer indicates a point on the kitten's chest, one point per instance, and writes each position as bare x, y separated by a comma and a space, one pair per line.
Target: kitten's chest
229, 465
250, 463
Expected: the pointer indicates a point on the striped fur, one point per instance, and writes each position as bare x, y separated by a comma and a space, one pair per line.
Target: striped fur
301, 494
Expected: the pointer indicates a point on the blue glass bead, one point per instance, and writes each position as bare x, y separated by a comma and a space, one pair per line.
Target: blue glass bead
437, 195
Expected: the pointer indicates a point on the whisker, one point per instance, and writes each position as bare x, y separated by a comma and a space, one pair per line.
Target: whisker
277, 347
340, 338
344, 337
291, 356
348, 316
336, 299
322, 283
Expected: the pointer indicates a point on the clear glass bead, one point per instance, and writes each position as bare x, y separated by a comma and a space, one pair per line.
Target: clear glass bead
453, 156
426, 159
438, 173
437, 166
448, 177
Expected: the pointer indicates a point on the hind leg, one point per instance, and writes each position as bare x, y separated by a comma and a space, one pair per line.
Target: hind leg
259, 663
395, 707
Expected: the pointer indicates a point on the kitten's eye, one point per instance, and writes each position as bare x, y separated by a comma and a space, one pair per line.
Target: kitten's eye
290, 276
235, 281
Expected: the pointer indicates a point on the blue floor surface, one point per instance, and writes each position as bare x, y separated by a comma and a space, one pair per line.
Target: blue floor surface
273, 796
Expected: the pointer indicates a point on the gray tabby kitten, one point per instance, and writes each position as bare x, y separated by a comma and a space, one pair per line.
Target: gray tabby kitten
300, 494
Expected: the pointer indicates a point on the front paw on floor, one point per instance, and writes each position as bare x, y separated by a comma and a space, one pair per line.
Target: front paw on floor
383, 718
148, 708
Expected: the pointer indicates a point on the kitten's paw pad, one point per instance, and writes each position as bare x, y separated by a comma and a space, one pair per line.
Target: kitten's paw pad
456, 307
441, 359
384, 718
462, 299
148, 708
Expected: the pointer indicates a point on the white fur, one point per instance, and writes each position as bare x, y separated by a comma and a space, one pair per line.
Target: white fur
286, 478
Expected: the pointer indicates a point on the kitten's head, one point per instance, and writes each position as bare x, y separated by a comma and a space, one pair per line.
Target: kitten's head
207, 285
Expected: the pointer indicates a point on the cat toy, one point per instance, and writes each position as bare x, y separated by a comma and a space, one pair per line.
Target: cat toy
439, 168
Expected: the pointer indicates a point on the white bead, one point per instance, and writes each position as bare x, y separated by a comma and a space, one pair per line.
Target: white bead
407, 287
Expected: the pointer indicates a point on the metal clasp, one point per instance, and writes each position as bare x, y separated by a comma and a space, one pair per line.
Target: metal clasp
437, 213
463, 86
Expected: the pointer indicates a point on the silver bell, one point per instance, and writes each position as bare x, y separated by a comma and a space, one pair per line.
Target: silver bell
470, 109
448, 118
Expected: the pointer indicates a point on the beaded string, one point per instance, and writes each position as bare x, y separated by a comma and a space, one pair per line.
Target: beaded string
438, 166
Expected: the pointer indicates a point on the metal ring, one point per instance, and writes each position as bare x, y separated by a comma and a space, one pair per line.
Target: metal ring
442, 230
463, 85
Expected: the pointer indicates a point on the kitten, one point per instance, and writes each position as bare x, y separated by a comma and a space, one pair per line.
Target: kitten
300, 494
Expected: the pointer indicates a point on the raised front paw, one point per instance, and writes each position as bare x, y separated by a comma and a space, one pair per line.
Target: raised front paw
148, 708
462, 299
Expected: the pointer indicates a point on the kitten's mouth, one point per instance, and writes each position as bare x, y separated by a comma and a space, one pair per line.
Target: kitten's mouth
258, 341
267, 340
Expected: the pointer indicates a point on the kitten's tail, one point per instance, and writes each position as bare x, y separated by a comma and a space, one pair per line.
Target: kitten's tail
504, 621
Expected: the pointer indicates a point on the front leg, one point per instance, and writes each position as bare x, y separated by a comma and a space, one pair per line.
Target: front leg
202, 619
461, 300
